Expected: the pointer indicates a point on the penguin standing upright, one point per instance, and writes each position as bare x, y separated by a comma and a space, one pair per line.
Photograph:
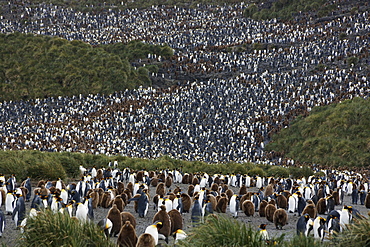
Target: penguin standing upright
345, 217
143, 202
186, 202
176, 220
106, 225
162, 216
27, 185
302, 224
280, 218
127, 235
115, 216
153, 230
81, 212
263, 232
2, 222
301, 205
319, 227
196, 212
127, 216
234, 205
248, 208
19, 212
261, 211
269, 212
9, 202
333, 225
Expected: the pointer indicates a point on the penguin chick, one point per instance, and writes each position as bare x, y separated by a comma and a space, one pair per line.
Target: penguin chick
280, 218
146, 240
127, 235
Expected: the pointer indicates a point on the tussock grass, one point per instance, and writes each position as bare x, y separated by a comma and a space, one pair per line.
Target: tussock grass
49, 229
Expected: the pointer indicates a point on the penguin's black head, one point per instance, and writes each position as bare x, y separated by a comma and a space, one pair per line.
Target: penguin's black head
262, 226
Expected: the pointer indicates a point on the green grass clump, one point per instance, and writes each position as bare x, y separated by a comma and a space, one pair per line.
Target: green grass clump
356, 234
57, 229
222, 231
333, 135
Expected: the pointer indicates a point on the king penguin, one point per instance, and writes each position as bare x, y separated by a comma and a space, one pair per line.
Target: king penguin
234, 205
302, 224
143, 202
179, 235
2, 223
263, 232
19, 212
196, 212
106, 226
153, 230
146, 240
127, 235
9, 202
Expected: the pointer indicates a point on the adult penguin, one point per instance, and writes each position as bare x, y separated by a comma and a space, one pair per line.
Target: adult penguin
127, 216
179, 235
345, 216
302, 224
162, 216
153, 230
319, 228
196, 212
333, 225
292, 203
301, 204
263, 232
115, 216
234, 205
280, 218
2, 222
248, 208
106, 226
9, 202
127, 235
330, 203
19, 212
81, 212
143, 203
146, 240
208, 207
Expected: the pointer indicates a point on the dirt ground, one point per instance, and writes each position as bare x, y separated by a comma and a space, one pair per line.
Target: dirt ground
11, 235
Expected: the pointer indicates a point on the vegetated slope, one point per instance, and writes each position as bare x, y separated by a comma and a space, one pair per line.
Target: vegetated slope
42, 66
332, 135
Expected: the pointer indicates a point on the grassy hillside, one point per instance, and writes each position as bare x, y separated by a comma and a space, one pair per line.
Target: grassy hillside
337, 135
43, 66
46, 165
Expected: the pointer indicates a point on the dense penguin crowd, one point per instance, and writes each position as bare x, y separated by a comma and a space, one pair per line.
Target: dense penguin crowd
162, 206
245, 97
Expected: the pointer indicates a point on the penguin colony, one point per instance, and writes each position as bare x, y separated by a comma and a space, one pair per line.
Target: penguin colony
117, 191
